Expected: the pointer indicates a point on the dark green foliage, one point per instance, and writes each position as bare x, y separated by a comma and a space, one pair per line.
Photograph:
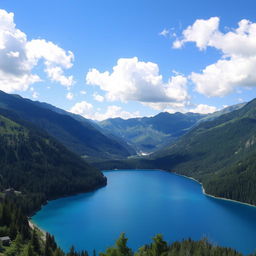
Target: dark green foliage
12, 221
220, 153
80, 136
150, 133
35, 241
26, 242
120, 248
160, 248
72, 252
35, 164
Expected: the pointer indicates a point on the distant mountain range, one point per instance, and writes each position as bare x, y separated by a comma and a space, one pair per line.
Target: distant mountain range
148, 134
221, 153
75, 132
217, 149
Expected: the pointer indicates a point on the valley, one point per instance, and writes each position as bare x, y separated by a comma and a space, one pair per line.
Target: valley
128, 128
217, 150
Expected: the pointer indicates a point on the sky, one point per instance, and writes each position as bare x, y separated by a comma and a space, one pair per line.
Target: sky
113, 58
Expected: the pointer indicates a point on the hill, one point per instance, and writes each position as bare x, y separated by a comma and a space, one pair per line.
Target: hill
220, 153
79, 136
148, 134
37, 165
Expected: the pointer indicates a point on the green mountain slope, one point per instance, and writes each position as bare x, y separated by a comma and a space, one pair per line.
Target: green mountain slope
80, 137
220, 153
90, 123
150, 133
34, 163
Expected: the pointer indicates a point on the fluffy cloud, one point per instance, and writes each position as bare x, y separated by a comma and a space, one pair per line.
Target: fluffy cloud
70, 96
115, 111
56, 75
135, 80
236, 68
82, 108
86, 110
201, 32
98, 97
203, 109
35, 95
165, 32
83, 92
18, 57
167, 107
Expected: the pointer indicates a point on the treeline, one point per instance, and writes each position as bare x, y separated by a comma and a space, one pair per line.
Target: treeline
38, 166
220, 154
33, 169
25, 241
159, 247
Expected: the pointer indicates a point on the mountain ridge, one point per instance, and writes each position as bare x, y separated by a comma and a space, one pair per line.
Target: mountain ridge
81, 138
219, 153
148, 134
53, 170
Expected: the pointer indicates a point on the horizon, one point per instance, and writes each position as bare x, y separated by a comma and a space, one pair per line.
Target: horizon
136, 59
139, 117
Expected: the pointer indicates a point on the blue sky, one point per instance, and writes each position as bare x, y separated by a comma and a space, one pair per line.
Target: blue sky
64, 52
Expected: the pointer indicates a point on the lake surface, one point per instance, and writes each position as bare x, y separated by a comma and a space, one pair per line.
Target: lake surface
145, 203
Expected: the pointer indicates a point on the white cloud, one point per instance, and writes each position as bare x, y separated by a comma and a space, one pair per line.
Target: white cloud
83, 92
236, 68
18, 57
82, 108
86, 110
56, 74
70, 96
167, 107
203, 109
135, 80
35, 95
201, 32
165, 32
115, 111
98, 97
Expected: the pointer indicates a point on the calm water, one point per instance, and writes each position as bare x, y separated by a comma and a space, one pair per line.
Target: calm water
142, 204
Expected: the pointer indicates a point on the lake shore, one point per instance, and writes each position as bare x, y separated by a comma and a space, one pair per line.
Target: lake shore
157, 190
212, 196
191, 178
33, 226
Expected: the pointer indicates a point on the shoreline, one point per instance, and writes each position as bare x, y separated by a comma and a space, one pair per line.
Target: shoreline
212, 196
191, 178
33, 226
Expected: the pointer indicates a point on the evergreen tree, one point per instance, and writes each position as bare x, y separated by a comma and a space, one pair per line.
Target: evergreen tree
35, 241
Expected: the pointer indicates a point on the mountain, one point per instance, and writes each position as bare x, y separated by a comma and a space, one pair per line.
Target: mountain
34, 163
89, 122
80, 136
148, 134
220, 153
223, 111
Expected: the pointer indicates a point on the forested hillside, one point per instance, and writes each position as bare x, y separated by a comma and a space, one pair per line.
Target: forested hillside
79, 136
150, 133
37, 165
220, 153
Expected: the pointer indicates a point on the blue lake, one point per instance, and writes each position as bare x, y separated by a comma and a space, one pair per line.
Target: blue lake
142, 204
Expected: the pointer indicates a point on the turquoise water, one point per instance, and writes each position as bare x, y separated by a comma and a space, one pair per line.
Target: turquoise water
142, 204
